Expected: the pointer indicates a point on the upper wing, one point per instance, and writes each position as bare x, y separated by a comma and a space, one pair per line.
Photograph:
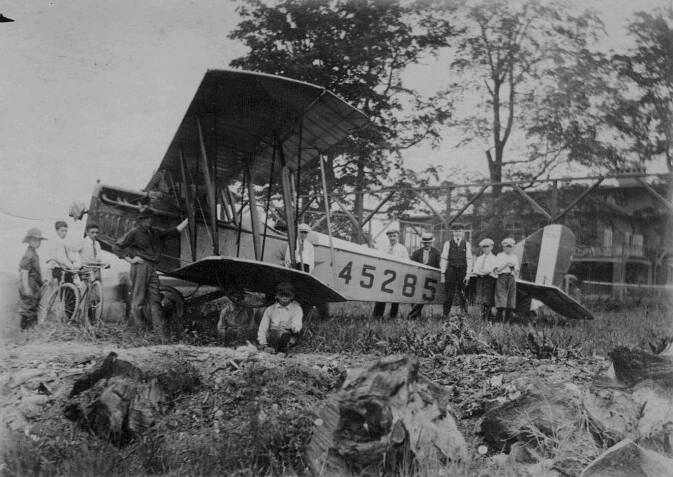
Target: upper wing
251, 275
555, 299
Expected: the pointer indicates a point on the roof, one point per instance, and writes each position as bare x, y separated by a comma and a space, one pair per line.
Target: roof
241, 114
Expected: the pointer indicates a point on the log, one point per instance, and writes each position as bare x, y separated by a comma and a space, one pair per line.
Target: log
633, 366
627, 459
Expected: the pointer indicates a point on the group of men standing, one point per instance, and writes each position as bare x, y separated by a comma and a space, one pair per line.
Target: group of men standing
494, 276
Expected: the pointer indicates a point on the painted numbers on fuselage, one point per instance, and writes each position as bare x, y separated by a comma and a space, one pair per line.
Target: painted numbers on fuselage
388, 281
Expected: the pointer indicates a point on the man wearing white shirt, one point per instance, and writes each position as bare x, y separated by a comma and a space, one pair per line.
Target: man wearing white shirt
455, 266
304, 253
397, 250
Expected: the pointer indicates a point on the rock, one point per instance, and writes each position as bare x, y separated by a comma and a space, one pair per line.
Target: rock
136, 393
33, 406
521, 454
383, 417
612, 413
29, 378
547, 415
655, 425
627, 459
547, 409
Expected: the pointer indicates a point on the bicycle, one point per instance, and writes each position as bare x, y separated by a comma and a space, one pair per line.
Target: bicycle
74, 304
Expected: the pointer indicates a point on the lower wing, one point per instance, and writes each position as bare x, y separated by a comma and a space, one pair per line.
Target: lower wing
556, 299
255, 276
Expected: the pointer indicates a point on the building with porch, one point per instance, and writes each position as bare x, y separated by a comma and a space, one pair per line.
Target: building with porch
622, 228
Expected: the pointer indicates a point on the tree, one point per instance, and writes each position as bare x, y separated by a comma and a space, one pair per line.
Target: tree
357, 49
644, 110
521, 71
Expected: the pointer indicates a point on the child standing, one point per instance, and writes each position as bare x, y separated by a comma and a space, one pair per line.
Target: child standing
484, 271
31, 279
281, 321
507, 270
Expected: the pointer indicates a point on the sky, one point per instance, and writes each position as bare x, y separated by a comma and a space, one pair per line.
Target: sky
95, 90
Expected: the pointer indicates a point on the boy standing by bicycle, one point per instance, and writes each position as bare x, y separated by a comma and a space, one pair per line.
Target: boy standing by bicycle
31, 279
91, 252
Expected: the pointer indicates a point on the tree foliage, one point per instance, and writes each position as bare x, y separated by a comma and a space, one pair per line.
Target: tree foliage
643, 112
527, 71
359, 50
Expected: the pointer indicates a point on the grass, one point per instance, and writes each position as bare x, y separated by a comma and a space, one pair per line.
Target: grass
642, 327
258, 419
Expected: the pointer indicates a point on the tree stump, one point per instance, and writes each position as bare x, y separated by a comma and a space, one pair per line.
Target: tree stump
120, 398
385, 419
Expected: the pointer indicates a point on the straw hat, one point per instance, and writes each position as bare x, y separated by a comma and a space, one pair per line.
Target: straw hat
427, 237
304, 228
33, 233
487, 242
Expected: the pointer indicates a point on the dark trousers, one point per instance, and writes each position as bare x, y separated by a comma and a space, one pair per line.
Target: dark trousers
380, 308
416, 311
454, 282
297, 266
27, 309
281, 341
146, 297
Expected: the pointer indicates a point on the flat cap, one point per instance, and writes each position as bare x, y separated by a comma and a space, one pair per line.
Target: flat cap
508, 241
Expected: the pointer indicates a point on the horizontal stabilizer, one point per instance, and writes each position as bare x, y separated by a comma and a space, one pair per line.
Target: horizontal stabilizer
251, 275
555, 299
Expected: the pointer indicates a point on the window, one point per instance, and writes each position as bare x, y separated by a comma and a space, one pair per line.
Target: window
607, 237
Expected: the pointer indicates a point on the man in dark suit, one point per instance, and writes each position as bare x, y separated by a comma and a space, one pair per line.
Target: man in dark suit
427, 255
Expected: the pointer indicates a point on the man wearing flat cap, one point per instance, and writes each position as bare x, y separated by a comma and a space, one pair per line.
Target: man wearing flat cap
142, 247
397, 250
427, 255
304, 253
31, 279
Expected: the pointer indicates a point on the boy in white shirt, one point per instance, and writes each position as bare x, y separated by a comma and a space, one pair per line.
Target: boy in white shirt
484, 271
91, 253
281, 321
505, 288
63, 255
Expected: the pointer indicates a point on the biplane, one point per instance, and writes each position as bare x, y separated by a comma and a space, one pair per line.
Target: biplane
244, 130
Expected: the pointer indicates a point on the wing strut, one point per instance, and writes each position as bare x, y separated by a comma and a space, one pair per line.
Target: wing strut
285, 176
327, 217
254, 214
189, 197
210, 189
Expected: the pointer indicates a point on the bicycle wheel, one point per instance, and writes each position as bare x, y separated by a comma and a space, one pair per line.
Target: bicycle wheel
63, 303
93, 309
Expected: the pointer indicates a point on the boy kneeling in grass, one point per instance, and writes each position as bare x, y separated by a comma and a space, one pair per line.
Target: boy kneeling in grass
281, 322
